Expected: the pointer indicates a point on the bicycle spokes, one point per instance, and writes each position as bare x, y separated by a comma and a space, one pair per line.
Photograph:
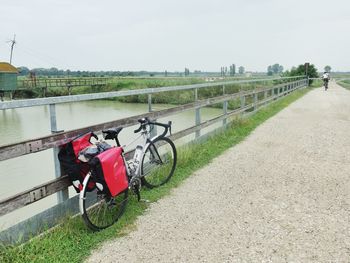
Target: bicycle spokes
158, 163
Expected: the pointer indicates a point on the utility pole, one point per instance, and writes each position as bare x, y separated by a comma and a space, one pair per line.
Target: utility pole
13, 42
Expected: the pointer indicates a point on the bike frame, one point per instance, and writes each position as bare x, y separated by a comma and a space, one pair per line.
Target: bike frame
138, 156
147, 140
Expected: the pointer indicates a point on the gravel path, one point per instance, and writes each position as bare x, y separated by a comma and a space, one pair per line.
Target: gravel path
282, 195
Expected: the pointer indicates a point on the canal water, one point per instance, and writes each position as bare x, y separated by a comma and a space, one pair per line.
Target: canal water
25, 172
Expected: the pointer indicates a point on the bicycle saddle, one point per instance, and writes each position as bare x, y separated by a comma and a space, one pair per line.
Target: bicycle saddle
111, 133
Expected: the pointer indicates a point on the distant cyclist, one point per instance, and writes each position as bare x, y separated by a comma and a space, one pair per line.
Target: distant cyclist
326, 79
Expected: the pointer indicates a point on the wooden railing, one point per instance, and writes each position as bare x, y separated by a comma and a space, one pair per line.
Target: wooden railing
250, 101
60, 82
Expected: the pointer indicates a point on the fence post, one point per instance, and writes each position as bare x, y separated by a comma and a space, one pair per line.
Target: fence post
149, 102
61, 195
224, 122
242, 101
198, 113
154, 128
255, 100
265, 96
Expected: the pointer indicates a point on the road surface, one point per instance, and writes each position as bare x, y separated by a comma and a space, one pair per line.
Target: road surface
281, 195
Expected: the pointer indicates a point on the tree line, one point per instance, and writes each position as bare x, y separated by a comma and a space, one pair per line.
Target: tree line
275, 69
232, 70
55, 72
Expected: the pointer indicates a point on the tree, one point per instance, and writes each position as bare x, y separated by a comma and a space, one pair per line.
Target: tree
223, 73
300, 71
327, 68
53, 72
280, 69
241, 70
23, 71
232, 70
274, 69
269, 71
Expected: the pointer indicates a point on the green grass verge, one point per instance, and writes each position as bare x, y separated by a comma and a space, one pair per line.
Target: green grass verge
72, 241
345, 84
316, 83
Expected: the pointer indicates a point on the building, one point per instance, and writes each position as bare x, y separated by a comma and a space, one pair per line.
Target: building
8, 77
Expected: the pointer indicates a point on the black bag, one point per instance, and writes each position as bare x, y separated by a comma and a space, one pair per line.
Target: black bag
68, 157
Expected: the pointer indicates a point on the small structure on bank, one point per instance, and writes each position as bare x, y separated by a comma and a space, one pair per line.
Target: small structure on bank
8, 79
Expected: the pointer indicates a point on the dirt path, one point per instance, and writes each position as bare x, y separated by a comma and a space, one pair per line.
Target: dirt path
282, 195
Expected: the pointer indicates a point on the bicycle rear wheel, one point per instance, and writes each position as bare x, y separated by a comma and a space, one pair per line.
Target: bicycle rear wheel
158, 163
98, 210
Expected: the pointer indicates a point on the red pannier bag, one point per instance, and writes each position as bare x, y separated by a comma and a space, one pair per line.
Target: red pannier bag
68, 157
108, 170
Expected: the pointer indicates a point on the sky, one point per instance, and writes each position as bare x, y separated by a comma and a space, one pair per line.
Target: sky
158, 35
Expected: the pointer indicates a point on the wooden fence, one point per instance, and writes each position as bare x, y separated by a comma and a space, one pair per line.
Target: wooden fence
61, 82
250, 101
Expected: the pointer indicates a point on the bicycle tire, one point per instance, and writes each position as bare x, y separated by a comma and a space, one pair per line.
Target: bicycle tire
158, 162
98, 210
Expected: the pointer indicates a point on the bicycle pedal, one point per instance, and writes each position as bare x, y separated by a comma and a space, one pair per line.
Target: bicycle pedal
145, 201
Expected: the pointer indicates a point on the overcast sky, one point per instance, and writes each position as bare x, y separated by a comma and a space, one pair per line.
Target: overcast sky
174, 34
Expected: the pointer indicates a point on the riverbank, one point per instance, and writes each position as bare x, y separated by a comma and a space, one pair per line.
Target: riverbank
113, 84
173, 97
71, 241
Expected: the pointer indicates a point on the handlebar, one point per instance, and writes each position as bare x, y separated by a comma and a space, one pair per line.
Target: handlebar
144, 122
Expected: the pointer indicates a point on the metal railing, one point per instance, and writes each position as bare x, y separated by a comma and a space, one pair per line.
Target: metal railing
250, 101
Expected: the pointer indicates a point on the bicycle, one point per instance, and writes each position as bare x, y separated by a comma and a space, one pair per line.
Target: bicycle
152, 165
325, 83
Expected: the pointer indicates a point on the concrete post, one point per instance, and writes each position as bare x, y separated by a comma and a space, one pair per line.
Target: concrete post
242, 102
255, 101
154, 128
198, 113
61, 195
149, 102
225, 105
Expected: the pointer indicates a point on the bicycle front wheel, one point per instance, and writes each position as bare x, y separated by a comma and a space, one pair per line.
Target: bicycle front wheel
158, 163
99, 210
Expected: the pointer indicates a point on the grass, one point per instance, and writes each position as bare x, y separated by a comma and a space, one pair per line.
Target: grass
345, 84
316, 83
174, 97
115, 84
73, 242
